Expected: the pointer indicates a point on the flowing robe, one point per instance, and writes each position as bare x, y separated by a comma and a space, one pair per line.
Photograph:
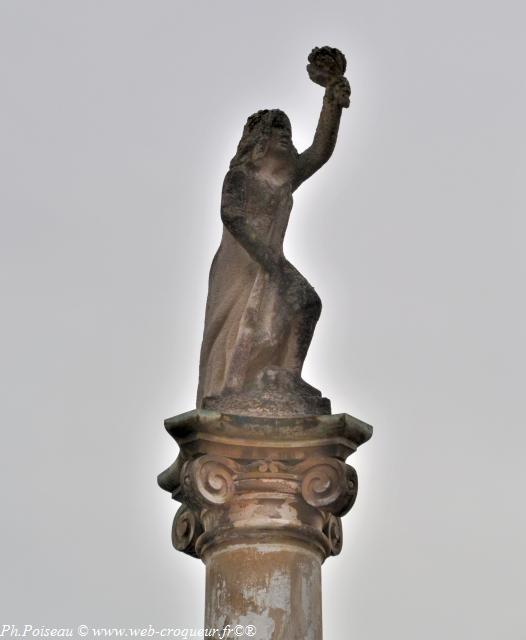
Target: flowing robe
253, 317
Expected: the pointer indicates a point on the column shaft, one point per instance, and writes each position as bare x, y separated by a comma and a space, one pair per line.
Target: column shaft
275, 588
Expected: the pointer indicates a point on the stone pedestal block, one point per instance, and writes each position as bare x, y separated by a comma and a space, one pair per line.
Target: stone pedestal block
261, 502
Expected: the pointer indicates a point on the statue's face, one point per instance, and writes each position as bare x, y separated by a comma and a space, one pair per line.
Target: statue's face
280, 141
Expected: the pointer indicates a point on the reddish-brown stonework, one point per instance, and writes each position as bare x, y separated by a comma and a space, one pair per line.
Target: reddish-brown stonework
261, 474
261, 505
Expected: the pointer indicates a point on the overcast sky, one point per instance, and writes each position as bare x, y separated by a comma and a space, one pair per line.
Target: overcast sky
117, 123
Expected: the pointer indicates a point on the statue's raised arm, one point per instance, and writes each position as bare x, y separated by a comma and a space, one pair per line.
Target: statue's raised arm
326, 68
261, 312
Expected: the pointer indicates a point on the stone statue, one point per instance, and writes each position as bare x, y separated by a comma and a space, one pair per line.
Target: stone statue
261, 312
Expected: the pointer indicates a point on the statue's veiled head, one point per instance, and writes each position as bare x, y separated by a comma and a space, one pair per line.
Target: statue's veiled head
267, 131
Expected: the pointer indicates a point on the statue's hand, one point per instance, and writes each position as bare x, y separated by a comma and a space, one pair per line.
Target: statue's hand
339, 92
326, 67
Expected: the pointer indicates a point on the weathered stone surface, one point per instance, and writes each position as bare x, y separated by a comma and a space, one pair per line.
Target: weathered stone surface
267, 495
261, 312
274, 393
325, 65
261, 474
279, 593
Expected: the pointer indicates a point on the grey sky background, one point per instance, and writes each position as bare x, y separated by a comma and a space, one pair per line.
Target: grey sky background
117, 123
